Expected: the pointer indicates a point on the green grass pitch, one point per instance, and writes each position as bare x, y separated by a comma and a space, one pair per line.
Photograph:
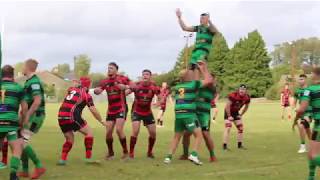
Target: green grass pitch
272, 151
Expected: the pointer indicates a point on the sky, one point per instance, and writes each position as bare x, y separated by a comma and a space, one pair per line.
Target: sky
140, 34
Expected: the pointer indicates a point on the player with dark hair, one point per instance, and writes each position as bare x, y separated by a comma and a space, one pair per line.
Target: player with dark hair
70, 119
115, 85
236, 101
144, 91
304, 123
164, 94
285, 101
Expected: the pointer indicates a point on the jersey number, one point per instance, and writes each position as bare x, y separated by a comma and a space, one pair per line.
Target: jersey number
71, 94
181, 93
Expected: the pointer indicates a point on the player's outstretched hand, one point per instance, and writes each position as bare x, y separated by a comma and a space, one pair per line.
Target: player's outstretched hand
178, 13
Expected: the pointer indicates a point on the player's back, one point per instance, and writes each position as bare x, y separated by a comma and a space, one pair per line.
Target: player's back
73, 101
34, 87
314, 91
205, 97
10, 98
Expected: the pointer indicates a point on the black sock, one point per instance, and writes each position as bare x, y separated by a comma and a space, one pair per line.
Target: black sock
225, 146
239, 144
161, 123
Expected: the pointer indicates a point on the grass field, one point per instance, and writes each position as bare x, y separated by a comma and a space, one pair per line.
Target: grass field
272, 152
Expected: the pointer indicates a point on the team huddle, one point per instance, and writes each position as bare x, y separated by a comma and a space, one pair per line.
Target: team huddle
22, 110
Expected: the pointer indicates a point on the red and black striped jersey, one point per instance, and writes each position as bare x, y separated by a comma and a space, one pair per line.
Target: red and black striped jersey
74, 102
164, 93
116, 96
144, 94
286, 93
237, 101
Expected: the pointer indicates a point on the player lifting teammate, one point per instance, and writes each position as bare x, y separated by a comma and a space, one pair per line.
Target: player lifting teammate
115, 85
185, 111
11, 97
304, 123
236, 101
311, 98
144, 91
70, 119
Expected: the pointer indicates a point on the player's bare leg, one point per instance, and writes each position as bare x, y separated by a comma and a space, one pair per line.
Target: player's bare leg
210, 145
185, 145
197, 133
151, 140
314, 158
134, 136
239, 126
173, 147
88, 143
66, 147
302, 134
226, 134
122, 137
160, 118
109, 139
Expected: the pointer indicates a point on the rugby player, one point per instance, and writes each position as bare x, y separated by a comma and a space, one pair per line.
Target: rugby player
144, 91
236, 101
164, 94
285, 101
115, 85
70, 119
34, 96
185, 111
311, 98
304, 122
11, 97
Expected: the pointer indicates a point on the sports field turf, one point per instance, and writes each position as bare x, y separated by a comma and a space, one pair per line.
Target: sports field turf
272, 151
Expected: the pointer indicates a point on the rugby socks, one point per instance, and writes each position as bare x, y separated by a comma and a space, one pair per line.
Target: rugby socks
303, 141
32, 155
194, 153
65, 150
14, 164
185, 150
169, 156
110, 146
151, 144
225, 146
5, 152
133, 141
25, 162
88, 143
123, 142
239, 144
312, 170
212, 153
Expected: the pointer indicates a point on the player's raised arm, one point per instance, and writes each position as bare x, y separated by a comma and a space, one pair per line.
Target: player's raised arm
182, 24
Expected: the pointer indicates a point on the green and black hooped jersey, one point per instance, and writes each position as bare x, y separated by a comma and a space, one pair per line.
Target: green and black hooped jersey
33, 87
205, 96
204, 38
298, 94
185, 96
11, 95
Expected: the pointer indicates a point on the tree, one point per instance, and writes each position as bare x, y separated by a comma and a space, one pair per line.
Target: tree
96, 78
61, 69
82, 64
249, 64
49, 89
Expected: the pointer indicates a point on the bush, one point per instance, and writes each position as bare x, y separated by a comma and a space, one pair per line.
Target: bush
273, 93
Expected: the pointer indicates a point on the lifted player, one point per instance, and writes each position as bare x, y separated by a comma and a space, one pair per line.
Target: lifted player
115, 85
311, 97
164, 94
304, 124
11, 97
70, 119
185, 111
203, 101
236, 101
144, 91
285, 101
204, 36
34, 96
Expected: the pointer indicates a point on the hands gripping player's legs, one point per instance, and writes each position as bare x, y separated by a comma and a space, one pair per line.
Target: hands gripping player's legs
152, 139
134, 136
226, 134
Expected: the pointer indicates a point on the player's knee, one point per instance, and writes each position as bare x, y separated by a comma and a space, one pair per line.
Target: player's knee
228, 125
305, 124
240, 128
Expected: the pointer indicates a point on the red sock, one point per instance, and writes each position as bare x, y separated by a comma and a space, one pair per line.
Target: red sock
5, 152
124, 145
88, 143
151, 144
110, 146
65, 150
133, 141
